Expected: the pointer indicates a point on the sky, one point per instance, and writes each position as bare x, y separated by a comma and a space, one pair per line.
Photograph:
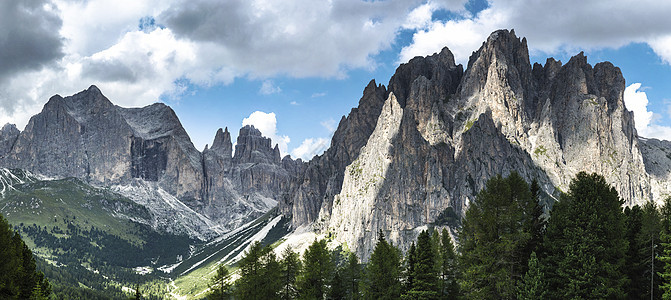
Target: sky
294, 68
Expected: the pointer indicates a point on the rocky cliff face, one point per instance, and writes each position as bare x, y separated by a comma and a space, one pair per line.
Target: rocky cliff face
247, 185
442, 133
145, 154
322, 177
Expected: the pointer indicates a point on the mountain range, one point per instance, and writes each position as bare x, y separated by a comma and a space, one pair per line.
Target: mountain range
413, 153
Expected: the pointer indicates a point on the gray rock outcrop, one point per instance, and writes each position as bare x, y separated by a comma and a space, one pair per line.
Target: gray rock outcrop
144, 153
442, 133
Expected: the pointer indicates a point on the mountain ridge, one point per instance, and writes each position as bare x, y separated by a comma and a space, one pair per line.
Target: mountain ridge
410, 151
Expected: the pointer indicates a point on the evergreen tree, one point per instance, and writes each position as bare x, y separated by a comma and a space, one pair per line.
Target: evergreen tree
533, 285
317, 271
633, 264
219, 284
643, 229
382, 275
665, 257
585, 243
271, 272
352, 277
259, 274
535, 222
495, 238
665, 274
291, 266
19, 277
425, 284
410, 264
450, 286
338, 288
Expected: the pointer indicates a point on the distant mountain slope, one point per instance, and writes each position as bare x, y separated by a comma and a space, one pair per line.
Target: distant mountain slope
88, 233
145, 154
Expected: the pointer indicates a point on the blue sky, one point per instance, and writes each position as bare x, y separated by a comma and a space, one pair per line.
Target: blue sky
294, 68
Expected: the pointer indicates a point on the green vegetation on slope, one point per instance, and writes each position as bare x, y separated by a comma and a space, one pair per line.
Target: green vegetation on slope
88, 240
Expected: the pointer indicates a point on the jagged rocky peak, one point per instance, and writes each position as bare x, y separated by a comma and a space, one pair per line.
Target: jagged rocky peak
501, 64
439, 68
8, 135
253, 147
222, 143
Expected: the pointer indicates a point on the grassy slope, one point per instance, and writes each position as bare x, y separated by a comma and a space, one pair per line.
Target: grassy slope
55, 218
193, 283
60, 205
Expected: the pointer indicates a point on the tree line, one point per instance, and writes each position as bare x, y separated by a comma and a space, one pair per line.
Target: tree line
19, 277
587, 246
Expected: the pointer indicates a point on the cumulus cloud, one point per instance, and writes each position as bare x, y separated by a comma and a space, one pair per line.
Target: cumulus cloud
29, 41
637, 101
550, 26
310, 147
29, 36
268, 87
299, 38
267, 124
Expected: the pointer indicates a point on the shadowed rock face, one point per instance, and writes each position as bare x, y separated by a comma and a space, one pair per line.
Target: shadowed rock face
433, 138
247, 185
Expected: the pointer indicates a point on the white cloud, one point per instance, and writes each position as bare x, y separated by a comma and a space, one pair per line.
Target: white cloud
294, 103
267, 124
268, 87
420, 17
662, 47
317, 95
95, 25
310, 147
551, 26
299, 38
637, 101
329, 124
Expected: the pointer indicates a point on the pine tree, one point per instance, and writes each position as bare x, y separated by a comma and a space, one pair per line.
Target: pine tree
449, 267
410, 264
665, 257
533, 285
352, 276
535, 222
219, 284
19, 277
382, 275
495, 238
665, 274
425, 284
643, 227
271, 273
585, 243
259, 274
291, 266
633, 265
338, 288
317, 271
